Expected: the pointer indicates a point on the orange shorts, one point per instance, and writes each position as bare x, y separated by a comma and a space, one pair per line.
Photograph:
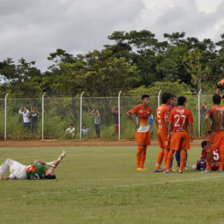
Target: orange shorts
163, 140
216, 140
180, 140
143, 138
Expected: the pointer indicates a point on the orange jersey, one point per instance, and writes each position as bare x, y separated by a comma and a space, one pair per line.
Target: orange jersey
216, 113
162, 115
142, 116
181, 117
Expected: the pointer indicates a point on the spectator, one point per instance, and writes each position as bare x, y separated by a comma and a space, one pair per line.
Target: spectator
70, 131
97, 121
84, 130
26, 120
115, 113
34, 119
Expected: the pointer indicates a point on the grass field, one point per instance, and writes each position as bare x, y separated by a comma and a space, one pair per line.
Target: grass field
100, 185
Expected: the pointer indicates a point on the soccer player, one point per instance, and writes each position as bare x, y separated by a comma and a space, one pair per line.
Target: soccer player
215, 131
162, 115
142, 112
35, 171
215, 158
179, 120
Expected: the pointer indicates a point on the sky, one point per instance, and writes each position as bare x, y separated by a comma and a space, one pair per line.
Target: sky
33, 29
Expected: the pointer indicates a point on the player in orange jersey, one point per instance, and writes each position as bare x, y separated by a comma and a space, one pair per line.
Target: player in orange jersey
142, 112
179, 120
162, 115
215, 131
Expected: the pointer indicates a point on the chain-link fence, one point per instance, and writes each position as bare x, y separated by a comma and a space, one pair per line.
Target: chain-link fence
90, 117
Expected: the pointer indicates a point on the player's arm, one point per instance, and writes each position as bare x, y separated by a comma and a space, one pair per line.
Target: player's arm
129, 114
191, 131
207, 125
92, 111
220, 87
170, 129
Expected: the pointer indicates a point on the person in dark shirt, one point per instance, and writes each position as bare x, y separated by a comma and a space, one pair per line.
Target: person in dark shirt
115, 113
34, 119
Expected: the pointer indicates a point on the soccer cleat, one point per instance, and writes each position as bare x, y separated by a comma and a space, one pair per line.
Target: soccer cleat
141, 169
62, 155
167, 171
207, 171
220, 171
180, 171
158, 170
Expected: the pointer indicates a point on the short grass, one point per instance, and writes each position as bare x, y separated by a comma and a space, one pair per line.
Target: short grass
100, 185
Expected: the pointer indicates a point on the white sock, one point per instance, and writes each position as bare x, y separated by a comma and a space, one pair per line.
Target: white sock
61, 156
49, 163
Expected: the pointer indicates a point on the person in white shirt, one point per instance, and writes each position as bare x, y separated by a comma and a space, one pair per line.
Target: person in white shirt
70, 131
26, 117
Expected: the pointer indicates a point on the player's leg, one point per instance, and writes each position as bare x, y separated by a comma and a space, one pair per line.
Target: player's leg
169, 160
160, 156
138, 157
5, 165
143, 156
177, 156
183, 160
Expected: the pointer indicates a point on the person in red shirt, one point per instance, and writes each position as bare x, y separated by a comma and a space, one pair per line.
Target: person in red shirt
215, 158
179, 120
162, 115
142, 112
215, 131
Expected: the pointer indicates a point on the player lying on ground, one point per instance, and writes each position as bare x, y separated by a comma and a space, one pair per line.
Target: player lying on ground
142, 112
215, 158
32, 172
215, 131
179, 120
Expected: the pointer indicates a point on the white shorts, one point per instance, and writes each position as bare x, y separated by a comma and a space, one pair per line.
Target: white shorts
17, 170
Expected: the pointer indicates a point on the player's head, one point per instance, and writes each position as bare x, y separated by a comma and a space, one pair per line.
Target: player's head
34, 108
71, 125
204, 143
216, 99
145, 100
50, 176
166, 98
173, 101
182, 101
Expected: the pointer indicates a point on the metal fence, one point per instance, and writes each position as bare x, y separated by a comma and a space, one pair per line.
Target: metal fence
56, 114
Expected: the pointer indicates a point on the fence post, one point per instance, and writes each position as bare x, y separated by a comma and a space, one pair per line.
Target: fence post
5, 125
159, 97
80, 128
119, 115
199, 113
42, 137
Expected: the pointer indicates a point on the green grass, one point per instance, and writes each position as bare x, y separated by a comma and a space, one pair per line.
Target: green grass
100, 185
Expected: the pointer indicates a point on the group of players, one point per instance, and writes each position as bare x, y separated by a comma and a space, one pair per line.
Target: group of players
175, 131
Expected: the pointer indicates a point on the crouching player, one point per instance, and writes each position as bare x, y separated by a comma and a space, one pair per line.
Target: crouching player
142, 112
214, 158
180, 119
35, 171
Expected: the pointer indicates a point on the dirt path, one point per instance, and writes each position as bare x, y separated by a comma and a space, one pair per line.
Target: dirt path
73, 143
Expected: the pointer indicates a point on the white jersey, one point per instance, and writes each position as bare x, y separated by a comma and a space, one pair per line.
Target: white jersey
17, 170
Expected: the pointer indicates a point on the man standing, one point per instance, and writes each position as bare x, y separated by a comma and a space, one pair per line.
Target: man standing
215, 131
180, 119
116, 115
34, 119
162, 115
97, 121
142, 112
26, 120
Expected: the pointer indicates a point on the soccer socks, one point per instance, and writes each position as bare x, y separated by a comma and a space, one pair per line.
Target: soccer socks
49, 163
159, 159
4, 166
183, 159
61, 156
169, 160
143, 156
166, 153
221, 164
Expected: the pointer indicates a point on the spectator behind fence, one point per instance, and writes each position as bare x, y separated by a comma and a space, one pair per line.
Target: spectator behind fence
115, 113
26, 120
97, 121
70, 131
34, 119
84, 130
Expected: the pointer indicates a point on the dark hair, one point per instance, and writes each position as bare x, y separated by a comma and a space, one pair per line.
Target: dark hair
71, 125
166, 97
173, 96
145, 96
181, 100
50, 177
204, 143
216, 99
223, 97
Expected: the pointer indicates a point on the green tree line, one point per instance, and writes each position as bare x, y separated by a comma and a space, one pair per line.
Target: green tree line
135, 62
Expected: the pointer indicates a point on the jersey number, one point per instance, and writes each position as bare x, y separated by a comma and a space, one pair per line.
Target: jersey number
215, 155
180, 120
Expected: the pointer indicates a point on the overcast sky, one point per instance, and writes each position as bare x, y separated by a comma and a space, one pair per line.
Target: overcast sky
34, 28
